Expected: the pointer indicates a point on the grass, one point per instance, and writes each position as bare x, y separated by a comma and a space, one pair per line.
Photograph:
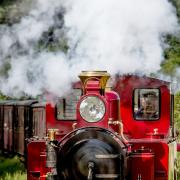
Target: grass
15, 176
12, 169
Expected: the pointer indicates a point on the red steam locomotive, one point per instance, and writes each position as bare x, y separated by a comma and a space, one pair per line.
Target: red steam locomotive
98, 133
123, 132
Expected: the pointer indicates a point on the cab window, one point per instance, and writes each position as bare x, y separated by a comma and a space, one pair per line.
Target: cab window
66, 106
146, 104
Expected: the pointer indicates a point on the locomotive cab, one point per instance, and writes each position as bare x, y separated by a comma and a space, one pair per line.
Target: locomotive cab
146, 112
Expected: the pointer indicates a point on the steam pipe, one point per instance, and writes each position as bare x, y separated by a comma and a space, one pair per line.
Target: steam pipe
120, 124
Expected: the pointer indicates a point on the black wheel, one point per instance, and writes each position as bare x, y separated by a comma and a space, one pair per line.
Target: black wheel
90, 154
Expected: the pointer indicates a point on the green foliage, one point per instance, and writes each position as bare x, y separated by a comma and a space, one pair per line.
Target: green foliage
177, 110
176, 3
12, 168
6, 2
2, 15
172, 56
4, 10
177, 124
60, 45
4, 69
51, 43
3, 97
11, 11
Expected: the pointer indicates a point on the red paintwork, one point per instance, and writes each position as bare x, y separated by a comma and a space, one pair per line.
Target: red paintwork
64, 127
178, 147
92, 86
36, 166
142, 129
113, 105
142, 165
161, 152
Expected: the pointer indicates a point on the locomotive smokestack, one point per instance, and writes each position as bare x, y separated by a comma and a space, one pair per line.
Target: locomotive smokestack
101, 77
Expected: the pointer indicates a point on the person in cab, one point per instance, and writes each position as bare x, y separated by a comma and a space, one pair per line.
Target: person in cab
148, 108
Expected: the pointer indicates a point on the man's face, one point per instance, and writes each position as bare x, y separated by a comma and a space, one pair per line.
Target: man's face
149, 104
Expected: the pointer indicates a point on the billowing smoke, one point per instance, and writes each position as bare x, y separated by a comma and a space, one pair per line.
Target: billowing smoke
120, 36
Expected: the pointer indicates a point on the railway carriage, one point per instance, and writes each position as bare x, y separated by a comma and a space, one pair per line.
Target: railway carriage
22, 128
2, 103
39, 120
8, 124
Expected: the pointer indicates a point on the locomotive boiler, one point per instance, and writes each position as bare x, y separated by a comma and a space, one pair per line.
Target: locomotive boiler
123, 132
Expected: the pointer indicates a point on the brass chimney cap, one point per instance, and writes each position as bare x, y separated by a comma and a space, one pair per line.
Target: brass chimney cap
101, 76
94, 73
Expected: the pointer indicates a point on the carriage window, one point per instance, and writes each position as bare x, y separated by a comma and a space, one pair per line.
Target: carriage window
146, 104
66, 107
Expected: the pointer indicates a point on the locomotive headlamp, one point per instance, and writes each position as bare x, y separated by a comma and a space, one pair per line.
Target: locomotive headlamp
92, 109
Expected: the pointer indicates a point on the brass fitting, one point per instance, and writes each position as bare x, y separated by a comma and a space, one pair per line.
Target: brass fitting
52, 134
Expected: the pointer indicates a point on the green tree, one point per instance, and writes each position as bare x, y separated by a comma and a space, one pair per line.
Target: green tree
172, 56
176, 3
177, 109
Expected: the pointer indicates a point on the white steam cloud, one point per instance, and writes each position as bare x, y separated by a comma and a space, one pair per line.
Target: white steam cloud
120, 36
